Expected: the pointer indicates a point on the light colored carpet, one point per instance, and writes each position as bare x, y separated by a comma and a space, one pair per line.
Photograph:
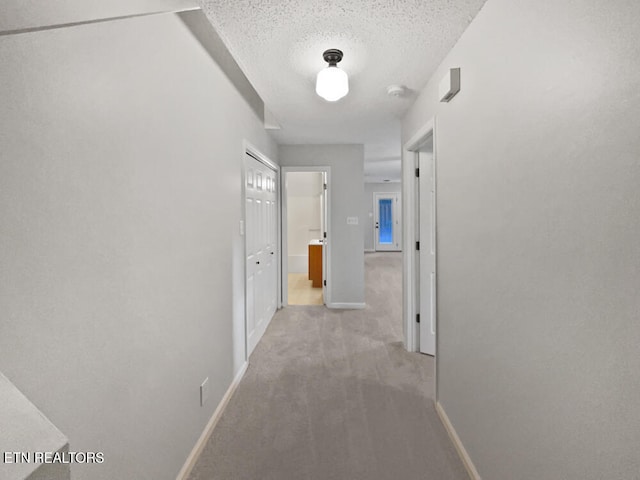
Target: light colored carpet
332, 394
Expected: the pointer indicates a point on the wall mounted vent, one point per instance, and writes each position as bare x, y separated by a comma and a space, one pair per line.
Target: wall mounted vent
450, 85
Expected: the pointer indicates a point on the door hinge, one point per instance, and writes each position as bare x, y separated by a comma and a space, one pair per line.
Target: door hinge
324, 282
417, 172
325, 186
325, 234
417, 245
417, 318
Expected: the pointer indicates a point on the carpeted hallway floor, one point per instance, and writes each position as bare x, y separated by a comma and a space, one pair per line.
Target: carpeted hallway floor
332, 394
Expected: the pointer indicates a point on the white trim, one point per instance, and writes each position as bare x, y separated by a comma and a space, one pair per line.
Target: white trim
369, 250
421, 136
462, 452
258, 155
208, 430
279, 303
284, 282
284, 239
409, 234
351, 306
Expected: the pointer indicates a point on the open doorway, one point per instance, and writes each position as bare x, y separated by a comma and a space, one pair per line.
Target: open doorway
420, 274
305, 240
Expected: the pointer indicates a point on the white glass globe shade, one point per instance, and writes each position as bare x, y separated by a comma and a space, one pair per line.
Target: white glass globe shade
332, 84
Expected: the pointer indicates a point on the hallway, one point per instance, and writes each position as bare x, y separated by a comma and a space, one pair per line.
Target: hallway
332, 394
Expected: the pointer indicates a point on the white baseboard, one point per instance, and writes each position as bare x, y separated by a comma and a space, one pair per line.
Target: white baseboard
351, 306
464, 456
199, 446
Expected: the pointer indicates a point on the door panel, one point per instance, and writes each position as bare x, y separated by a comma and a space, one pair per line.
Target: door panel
427, 253
261, 251
387, 221
324, 214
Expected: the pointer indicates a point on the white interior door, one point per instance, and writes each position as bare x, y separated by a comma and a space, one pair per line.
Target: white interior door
324, 209
261, 251
427, 252
387, 221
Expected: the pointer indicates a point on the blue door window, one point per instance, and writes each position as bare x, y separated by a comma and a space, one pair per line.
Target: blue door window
385, 229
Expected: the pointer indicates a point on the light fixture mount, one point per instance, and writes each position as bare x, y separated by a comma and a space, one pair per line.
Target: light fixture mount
332, 56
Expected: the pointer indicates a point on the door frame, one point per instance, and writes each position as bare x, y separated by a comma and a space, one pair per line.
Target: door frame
252, 151
397, 219
326, 248
410, 227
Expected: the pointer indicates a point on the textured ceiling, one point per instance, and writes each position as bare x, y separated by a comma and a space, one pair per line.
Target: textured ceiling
279, 44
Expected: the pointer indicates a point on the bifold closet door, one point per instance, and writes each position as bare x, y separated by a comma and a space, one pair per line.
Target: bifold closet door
261, 248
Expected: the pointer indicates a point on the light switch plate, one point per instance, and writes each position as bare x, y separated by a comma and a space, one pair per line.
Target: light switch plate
352, 220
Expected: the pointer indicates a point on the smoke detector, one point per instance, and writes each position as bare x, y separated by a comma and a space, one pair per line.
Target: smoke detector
396, 90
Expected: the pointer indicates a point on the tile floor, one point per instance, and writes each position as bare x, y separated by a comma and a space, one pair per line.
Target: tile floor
301, 292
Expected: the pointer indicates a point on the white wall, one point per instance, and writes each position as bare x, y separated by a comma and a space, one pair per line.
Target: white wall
304, 195
538, 227
121, 262
370, 189
346, 285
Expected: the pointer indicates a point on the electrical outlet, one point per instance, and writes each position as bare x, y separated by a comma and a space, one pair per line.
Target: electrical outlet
352, 220
204, 391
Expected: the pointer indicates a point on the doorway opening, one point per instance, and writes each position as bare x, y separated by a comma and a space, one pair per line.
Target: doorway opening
305, 235
420, 273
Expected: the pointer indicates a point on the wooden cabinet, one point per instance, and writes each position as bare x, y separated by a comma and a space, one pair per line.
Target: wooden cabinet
315, 264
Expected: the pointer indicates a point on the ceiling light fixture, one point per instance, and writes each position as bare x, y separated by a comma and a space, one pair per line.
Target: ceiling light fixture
332, 83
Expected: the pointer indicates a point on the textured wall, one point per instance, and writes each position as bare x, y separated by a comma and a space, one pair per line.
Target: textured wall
538, 227
346, 284
121, 260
